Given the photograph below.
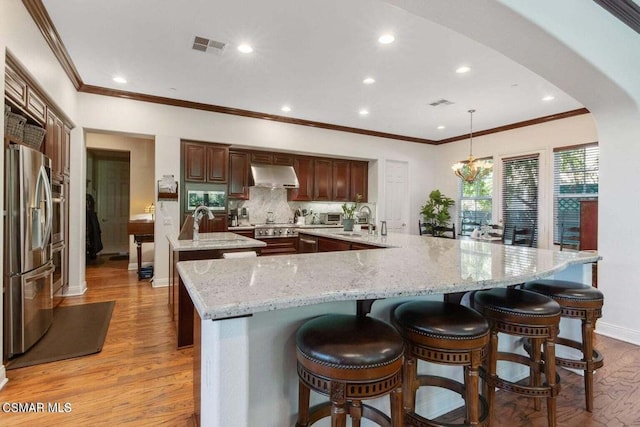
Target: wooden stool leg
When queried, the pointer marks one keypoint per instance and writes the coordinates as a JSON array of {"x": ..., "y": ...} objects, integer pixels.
[
  {"x": 587, "y": 353},
  {"x": 550, "y": 374},
  {"x": 471, "y": 394},
  {"x": 493, "y": 369},
  {"x": 355, "y": 410},
  {"x": 338, "y": 414},
  {"x": 397, "y": 412},
  {"x": 535, "y": 379},
  {"x": 410, "y": 382},
  {"x": 303, "y": 405}
]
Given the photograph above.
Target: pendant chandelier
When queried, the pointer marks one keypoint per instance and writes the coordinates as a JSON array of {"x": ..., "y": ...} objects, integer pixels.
[{"x": 471, "y": 169}]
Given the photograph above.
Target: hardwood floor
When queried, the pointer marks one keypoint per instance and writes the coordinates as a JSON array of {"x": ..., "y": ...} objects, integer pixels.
[{"x": 140, "y": 379}]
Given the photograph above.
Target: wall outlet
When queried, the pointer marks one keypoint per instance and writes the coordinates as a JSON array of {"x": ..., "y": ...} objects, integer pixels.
[{"x": 167, "y": 221}]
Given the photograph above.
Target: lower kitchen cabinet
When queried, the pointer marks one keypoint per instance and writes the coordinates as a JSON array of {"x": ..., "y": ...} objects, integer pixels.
[
  {"x": 332, "y": 245},
  {"x": 280, "y": 246},
  {"x": 310, "y": 244},
  {"x": 180, "y": 304}
]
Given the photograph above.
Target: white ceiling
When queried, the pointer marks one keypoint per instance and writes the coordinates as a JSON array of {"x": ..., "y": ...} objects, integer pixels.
[{"x": 309, "y": 54}]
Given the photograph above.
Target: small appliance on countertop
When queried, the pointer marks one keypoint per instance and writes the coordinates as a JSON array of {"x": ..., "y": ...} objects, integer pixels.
[{"x": 331, "y": 218}]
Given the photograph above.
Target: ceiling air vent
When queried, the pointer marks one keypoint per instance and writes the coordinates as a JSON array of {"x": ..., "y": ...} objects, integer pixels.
[
  {"x": 207, "y": 45},
  {"x": 441, "y": 103}
]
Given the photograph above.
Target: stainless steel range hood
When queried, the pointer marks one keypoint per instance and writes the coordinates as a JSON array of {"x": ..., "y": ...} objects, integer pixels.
[{"x": 274, "y": 176}]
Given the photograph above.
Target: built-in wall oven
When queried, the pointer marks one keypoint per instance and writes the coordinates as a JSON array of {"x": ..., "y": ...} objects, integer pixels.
[{"x": 57, "y": 223}]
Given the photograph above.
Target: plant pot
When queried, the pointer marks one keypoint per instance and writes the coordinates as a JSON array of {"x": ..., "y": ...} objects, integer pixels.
[{"x": 347, "y": 224}]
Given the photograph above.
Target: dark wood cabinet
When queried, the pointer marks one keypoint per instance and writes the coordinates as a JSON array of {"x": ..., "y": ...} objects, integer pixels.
[
  {"x": 54, "y": 145},
  {"x": 280, "y": 246},
  {"x": 205, "y": 162},
  {"x": 245, "y": 233},
  {"x": 307, "y": 244},
  {"x": 36, "y": 106},
  {"x": 15, "y": 88},
  {"x": 282, "y": 159},
  {"x": 323, "y": 180},
  {"x": 359, "y": 180},
  {"x": 341, "y": 180},
  {"x": 66, "y": 151},
  {"x": 332, "y": 245},
  {"x": 588, "y": 225},
  {"x": 206, "y": 225},
  {"x": 262, "y": 157},
  {"x": 304, "y": 170},
  {"x": 238, "y": 175}
]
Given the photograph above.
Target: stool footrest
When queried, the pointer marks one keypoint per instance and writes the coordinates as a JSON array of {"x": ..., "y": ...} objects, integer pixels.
[
  {"x": 414, "y": 420},
  {"x": 580, "y": 365},
  {"x": 323, "y": 410},
  {"x": 436, "y": 381}
]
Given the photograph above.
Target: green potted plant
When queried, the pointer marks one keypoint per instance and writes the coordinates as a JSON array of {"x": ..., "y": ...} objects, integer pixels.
[
  {"x": 435, "y": 212},
  {"x": 349, "y": 213}
]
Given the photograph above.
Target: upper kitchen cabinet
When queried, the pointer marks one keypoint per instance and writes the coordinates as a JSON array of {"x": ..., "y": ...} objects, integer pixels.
[
  {"x": 341, "y": 180},
  {"x": 359, "y": 180},
  {"x": 304, "y": 170},
  {"x": 54, "y": 145},
  {"x": 205, "y": 162},
  {"x": 262, "y": 157},
  {"x": 323, "y": 180},
  {"x": 282, "y": 159},
  {"x": 238, "y": 175}
]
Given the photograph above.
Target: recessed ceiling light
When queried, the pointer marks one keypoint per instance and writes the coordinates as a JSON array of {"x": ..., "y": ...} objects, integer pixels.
[
  {"x": 440, "y": 127},
  {"x": 119, "y": 79},
  {"x": 286, "y": 108},
  {"x": 363, "y": 112},
  {"x": 369, "y": 81},
  {"x": 386, "y": 38},
  {"x": 549, "y": 98},
  {"x": 463, "y": 69},
  {"x": 245, "y": 48}
]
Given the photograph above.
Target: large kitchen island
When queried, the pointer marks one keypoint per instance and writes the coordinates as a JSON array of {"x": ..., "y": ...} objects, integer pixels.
[{"x": 247, "y": 310}]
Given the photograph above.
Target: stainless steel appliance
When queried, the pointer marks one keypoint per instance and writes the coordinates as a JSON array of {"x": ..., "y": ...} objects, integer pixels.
[
  {"x": 332, "y": 218},
  {"x": 28, "y": 268},
  {"x": 57, "y": 213},
  {"x": 275, "y": 230}
]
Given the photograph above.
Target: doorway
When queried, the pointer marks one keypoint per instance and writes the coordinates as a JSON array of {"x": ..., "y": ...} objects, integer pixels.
[
  {"x": 108, "y": 184},
  {"x": 120, "y": 178},
  {"x": 396, "y": 190}
]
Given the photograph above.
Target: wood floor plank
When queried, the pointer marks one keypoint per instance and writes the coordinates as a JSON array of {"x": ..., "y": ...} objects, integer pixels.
[{"x": 141, "y": 379}]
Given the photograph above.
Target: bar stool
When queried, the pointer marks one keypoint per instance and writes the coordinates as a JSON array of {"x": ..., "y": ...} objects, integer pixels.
[
  {"x": 577, "y": 301},
  {"x": 529, "y": 315},
  {"x": 350, "y": 359},
  {"x": 446, "y": 334}
]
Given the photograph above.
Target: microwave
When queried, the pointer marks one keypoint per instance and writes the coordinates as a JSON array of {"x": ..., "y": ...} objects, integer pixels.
[{"x": 332, "y": 218}]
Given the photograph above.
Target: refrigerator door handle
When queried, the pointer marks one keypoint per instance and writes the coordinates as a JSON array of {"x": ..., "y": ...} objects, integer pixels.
[{"x": 49, "y": 205}]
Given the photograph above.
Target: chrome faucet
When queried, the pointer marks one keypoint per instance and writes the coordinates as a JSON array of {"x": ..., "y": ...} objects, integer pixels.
[{"x": 197, "y": 215}]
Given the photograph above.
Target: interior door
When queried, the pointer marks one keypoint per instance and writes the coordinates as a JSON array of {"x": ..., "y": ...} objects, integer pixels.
[
  {"x": 396, "y": 196},
  {"x": 112, "y": 203}
]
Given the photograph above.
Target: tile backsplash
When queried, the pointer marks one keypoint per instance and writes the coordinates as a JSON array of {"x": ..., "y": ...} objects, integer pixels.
[{"x": 263, "y": 200}]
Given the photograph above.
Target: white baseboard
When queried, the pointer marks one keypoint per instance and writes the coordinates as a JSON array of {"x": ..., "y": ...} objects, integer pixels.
[
  {"x": 74, "y": 291},
  {"x": 618, "y": 332},
  {"x": 3, "y": 377},
  {"x": 161, "y": 282}
]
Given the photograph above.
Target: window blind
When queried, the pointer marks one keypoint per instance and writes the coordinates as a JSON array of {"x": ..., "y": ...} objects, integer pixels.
[
  {"x": 575, "y": 178},
  {"x": 520, "y": 177},
  {"x": 475, "y": 202}
]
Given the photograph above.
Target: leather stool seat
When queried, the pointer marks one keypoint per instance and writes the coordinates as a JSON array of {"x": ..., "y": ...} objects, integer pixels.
[
  {"x": 349, "y": 358},
  {"x": 577, "y": 301},
  {"x": 447, "y": 334},
  {"x": 536, "y": 318}
]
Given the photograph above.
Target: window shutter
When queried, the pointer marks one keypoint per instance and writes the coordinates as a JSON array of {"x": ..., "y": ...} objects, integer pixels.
[
  {"x": 575, "y": 178},
  {"x": 520, "y": 194}
]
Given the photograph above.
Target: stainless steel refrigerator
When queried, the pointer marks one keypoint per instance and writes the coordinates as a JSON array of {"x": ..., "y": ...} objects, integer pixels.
[{"x": 28, "y": 268}]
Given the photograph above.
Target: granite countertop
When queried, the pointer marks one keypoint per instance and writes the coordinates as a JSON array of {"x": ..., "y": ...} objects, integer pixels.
[
  {"x": 410, "y": 265},
  {"x": 209, "y": 241},
  {"x": 302, "y": 227}
]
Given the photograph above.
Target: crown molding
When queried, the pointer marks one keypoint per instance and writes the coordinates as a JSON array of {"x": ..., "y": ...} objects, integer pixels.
[
  {"x": 536, "y": 121},
  {"x": 43, "y": 21},
  {"x": 625, "y": 10}
]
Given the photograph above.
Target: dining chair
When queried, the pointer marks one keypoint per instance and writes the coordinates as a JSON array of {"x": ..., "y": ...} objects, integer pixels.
[
  {"x": 423, "y": 228},
  {"x": 467, "y": 227},
  {"x": 522, "y": 236},
  {"x": 569, "y": 238},
  {"x": 446, "y": 232}
]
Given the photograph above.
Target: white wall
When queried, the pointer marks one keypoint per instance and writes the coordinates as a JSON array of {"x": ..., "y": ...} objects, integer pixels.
[{"x": 170, "y": 124}]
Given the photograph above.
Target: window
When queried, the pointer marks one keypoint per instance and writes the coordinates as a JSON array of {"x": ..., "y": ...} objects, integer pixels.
[
  {"x": 575, "y": 178},
  {"x": 520, "y": 194},
  {"x": 475, "y": 202}
]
